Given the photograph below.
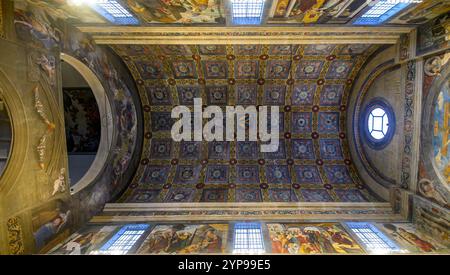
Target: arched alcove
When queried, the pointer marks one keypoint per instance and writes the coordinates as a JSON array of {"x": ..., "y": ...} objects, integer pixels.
[
  {"x": 91, "y": 165},
  {"x": 5, "y": 135}
]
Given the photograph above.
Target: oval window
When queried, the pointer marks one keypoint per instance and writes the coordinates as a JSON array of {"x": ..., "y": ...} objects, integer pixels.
[{"x": 378, "y": 124}]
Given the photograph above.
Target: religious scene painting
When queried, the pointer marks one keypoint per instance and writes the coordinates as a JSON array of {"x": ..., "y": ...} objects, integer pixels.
[
  {"x": 50, "y": 224},
  {"x": 422, "y": 12},
  {"x": 441, "y": 137},
  {"x": 178, "y": 11},
  {"x": 313, "y": 238},
  {"x": 407, "y": 236},
  {"x": 315, "y": 11},
  {"x": 84, "y": 241},
  {"x": 185, "y": 239},
  {"x": 82, "y": 120}
]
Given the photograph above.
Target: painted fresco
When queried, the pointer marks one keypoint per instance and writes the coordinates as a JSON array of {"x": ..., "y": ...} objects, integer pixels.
[
  {"x": 314, "y": 11},
  {"x": 422, "y": 12},
  {"x": 186, "y": 239},
  {"x": 177, "y": 11},
  {"x": 434, "y": 35},
  {"x": 82, "y": 120},
  {"x": 84, "y": 241},
  {"x": 441, "y": 136},
  {"x": 313, "y": 238},
  {"x": 406, "y": 235},
  {"x": 312, "y": 161},
  {"x": 50, "y": 224}
]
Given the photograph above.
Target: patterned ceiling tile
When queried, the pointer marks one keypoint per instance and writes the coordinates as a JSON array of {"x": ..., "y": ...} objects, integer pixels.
[
  {"x": 330, "y": 149},
  {"x": 184, "y": 69},
  {"x": 217, "y": 95},
  {"x": 278, "y": 69},
  {"x": 180, "y": 195},
  {"x": 246, "y": 94},
  {"x": 274, "y": 94},
  {"x": 318, "y": 49},
  {"x": 219, "y": 150},
  {"x": 190, "y": 149},
  {"x": 337, "y": 174},
  {"x": 303, "y": 94},
  {"x": 155, "y": 174},
  {"x": 161, "y": 149},
  {"x": 247, "y": 174},
  {"x": 215, "y": 69},
  {"x": 159, "y": 95},
  {"x": 301, "y": 122},
  {"x": 307, "y": 174},
  {"x": 309, "y": 69},
  {"x": 231, "y": 171},
  {"x": 248, "y": 195},
  {"x": 175, "y": 50},
  {"x": 186, "y": 94},
  {"x": 151, "y": 69},
  {"x": 278, "y": 174},
  {"x": 278, "y": 154},
  {"x": 282, "y": 195},
  {"x": 214, "y": 195},
  {"x": 350, "y": 195},
  {"x": 303, "y": 149},
  {"x": 281, "y": 50},
  {"x": 162, "y": 121},
  {"x": 339, "y": 69},
  {"x": 247, "y": 69},
  {"x": 187, "y": 174},
  {"x": 145, "y": 196},
  {"x": 328, "y": 122},
  {"x": 316, "y": 195},
  {"x": 331, "y": 94},
  {"x": 217, "y": 174},
  {"x": 247, "y": 49},
  {"x": 247, "y": 150},
  {"x": 212, "y": 49}
]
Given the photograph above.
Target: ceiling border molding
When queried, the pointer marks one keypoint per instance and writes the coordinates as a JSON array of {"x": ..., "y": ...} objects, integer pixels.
[
  {"x": 245, "y": 35},
  {"x": 302, "y": 211}
]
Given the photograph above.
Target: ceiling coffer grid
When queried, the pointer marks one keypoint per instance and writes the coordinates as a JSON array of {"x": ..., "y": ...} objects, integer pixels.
[{"x": 310, "y": 84}]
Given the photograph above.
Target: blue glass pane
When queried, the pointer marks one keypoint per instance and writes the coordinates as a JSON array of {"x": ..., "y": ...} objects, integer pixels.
[
  {"x": 248, "y": 238},
  {"x": 124, "y": 239},
  {"x": 247, "y": 12},
  {"x": 380, "y": 12},
  {"x": 373, "y": 239},
  {"x": 114, "y": 12}
]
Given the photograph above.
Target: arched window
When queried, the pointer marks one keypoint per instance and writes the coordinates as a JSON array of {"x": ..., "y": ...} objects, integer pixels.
[
  {"x": 378, "y": 123},
  {"x": 87, "y": 115},
  {"x": 5, "y": 136}
]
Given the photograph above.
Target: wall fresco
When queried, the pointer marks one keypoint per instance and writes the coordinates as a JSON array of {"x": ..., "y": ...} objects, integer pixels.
[
  {"x": 184, "y": 11},
  {"x": 314, "y": 238},
  {"x": 406, "y": 235},
  {"x": 85, "y": 241},
  {"x": 434, "y": 35},
  {"x": 185, "y": 239}
]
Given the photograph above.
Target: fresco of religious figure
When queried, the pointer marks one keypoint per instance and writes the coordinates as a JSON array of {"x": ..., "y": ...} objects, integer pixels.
[
  {"x": 441, "y": 137},
  {"x": 185, "y": 239},
  {"x": 407, "y": 236},
  {"x": 177, "y": 11},
  {"x": 85, "y": 241},
  {"x": 311, "y": 239}
]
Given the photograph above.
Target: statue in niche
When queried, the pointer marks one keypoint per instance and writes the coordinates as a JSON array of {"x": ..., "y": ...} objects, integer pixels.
[{"x": 60, "y": 183}]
